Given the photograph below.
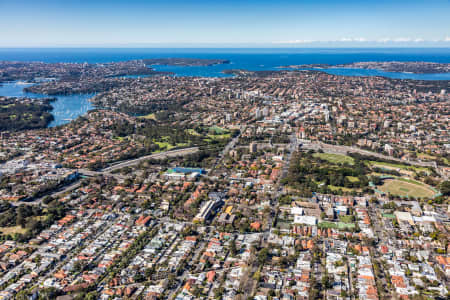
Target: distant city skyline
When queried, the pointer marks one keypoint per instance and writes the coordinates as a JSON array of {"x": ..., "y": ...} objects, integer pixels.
[{"x": 285, "y": 23}]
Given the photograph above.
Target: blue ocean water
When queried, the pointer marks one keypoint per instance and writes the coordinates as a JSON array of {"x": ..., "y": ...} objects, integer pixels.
[
  {"x": 249, "y": 59},
  {"x": 69, "y": 107}
]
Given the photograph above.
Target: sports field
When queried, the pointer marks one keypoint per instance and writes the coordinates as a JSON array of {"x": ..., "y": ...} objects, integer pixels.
[
  {"x": 404, "y": 188},
  {"x": 335, "y": 158}
]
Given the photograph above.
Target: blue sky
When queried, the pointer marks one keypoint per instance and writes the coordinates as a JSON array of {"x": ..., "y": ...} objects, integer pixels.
[{"x": 282, "y": 23}]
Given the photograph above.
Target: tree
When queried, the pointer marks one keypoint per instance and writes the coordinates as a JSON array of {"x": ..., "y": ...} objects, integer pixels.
[
  {"x": 148, "y": 272},
  {"x": 262, "y": 256},
  {"x": 91, "y": 295},
  {"x": 78, "y": 266},
  {"x": 48, "y": 293},
  {"x": 139, "y": 277},
  {"x": 47, "y": 200},
  {"x": 20, "y": 220},
  {"x": 218, "y": 292},
  {"x": 376, "y": 180},
  {"x": 257, "y": 276},
  {"x": 233, "y": 249},
  {"x": 326, "y": 283},
  {"x": 445, "y": 188},
  {"x": 22, "y": 295}
]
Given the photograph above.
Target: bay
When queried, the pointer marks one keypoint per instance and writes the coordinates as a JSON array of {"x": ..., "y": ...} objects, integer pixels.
[
  {"x": 249, "y": 59},
  {"x": 67, "y": 108}
]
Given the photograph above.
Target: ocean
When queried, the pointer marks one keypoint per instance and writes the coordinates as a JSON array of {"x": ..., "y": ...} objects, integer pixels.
[
  {"x": 69, "y": 107},
  {"x": 249, "y": 59}
]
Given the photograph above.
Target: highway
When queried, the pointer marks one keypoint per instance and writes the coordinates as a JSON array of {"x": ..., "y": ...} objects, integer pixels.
[
  {"x": 161, "y": 155},
  {"x": 54, "y": 193},
  {"x": 107, "y": 172}
]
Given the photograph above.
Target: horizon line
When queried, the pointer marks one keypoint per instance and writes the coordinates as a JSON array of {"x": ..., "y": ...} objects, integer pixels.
[{"x": 293, "y": 47}]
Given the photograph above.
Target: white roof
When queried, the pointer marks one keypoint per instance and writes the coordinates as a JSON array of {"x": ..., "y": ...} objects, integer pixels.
[
  {"x": 309, "y": 220},
  {"x": 296, "y": 211}
]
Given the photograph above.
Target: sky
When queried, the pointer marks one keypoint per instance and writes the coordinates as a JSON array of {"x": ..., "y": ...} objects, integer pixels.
[{"x": 224, "y": 23}]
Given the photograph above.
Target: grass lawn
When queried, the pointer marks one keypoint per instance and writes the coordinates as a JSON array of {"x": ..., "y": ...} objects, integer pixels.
[
  {"x": 389, "y": 216},
  {"x": 165, "y": 145},
  {"x": 342, "y": 225},
  {"x": 406, "y": 188},
  {"x": 335, "y": 158},
  {"x": 346, "y": 219},
  {"x": 13, "y": 230},
  {"x": 151, "y": 116},
  {"x": 192, "y": 132},
  {"x": 339, "y": 225},
  {"x": 40, "y": 218},
  {"x": 168, "y": 146},
  {"x": 326, "y": 224},
  {"x": 219, "y": 136},
  {"x": 397, "y": 166},
  {"x": 377, "y": 174},
  {"x": 218, "y": 130},
  {"x": 353, "y": 179},
  {"x": 344, "y": 189}
]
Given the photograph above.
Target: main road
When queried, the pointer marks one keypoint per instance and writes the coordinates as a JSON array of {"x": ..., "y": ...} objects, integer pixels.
[
  {"x": 160, "y": 155},
  {"x": 226, "y": 149},
  {"x": 107, "y": 171}
]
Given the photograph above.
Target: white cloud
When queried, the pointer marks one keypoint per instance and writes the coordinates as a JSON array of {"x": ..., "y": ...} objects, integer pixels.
[
  {"x": 346, "y": 39},
  {"x": 401, "y": 40},
  {"x": 364, "y": 40},
  {"x": 296, "y": 42}
]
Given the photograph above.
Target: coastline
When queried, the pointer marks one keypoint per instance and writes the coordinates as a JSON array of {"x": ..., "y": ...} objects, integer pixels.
[{"x": 71, "y": 104}]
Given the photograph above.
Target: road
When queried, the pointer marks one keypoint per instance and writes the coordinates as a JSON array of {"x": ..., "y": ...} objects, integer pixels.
[
  {"x": 161, "y": 155},
  {"x": 293, "y": 145},
  {"x": 107, "y": 172},
  {"x": 226, "y": 149},
  {"x": 60, "y": 191}
]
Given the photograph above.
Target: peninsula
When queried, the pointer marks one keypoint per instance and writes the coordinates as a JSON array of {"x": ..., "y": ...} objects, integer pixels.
[
  {"x": 24, "y": 113},
  {"x": 185, "y": 62},
  {"x": 388, "y": 66}
]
